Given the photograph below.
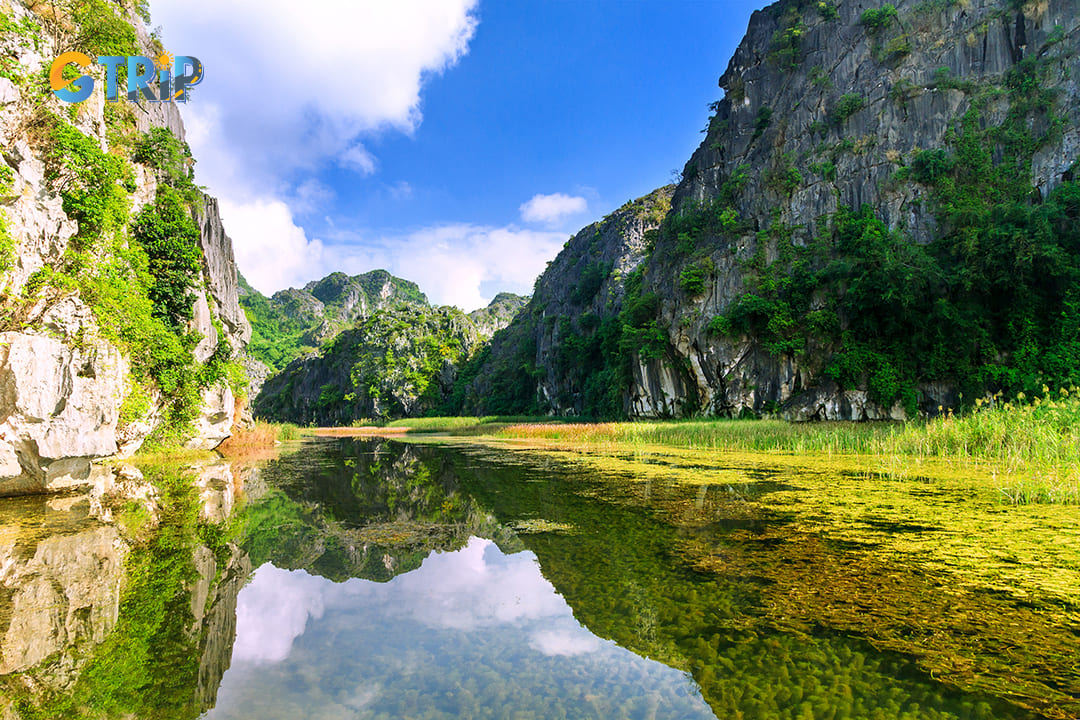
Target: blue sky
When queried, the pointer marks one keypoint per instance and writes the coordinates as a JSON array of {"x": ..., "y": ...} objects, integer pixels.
[{"x": 456, "y": 143}]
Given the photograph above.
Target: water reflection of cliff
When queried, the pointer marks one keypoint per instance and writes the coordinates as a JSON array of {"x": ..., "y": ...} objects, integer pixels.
[
  {"x": 371, "y": 510},
  {"x": 119, "y": 601}
]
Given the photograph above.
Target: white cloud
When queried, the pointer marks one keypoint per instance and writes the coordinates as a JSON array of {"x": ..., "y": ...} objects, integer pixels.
[
  {"x": 289, "y": 85},
  {"x": 293, "y": 88},
  {"x": 551, "y": 209},
  {"x": 357, "y": 158},
  {"x": 272, "y": 611},
  {"x": 454, "y": 264},
  {"x": 451, "y": 263},
  {"x": 401, "y": 190},
  {"x": 272, "y": 252},
  {"x": 310, "y": 196}
]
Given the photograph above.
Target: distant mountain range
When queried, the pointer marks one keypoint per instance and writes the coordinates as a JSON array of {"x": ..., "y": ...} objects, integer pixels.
[{"x": 370, "y": 345}]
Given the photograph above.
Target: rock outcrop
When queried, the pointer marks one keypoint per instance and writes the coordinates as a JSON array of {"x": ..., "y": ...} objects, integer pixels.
[
  {"x": 297, "y": 321},
  {"x": 528, "y": 368},
  {"x": 61, "y": 406},
  {"x": 899, "y": 101},
  {"x": 827, "y": 106},
  {"x": 65, "y": 379},
  {"x": 385, "y": 351},
  {"x": 398, "y": 362}
]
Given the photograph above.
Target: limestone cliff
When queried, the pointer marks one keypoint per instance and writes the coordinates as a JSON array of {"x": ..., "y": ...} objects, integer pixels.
[
  {"x": 878, "y": 220},
  {"x": 100, "y": 348},
  {"x": 385, "y": 352},
  {"x": 296, "y": 321},
  {"x": 397, "y": 362},
  {"x": 547, "y": 359}
]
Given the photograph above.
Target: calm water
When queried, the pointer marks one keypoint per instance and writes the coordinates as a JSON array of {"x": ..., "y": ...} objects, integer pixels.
[{"x": 375, "y": 579}]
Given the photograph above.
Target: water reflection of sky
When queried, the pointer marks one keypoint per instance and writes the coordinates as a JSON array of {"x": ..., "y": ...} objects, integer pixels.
[{"x": 472, "y": 633}]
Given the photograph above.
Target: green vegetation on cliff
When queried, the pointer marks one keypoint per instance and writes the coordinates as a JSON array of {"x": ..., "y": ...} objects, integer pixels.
[
  {"x": 298, "y": 321},
  {"x": 881, "y": 231},
  {"x": 383, "y": 351},
  {"x": 396, "y": 362},
  {"x": 993, "y": 303}
]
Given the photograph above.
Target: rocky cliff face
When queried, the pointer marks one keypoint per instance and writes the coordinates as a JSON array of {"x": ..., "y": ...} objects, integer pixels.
[
  {"x": 769, "y": 290},
  {"x": 398, "y": 362},
  {"x": 498, "y": 314},
  {"x": 76, "y": 363},
  {"x": 299, "y": 320},
  {"x": 385, "y": 351},
  {"x": 547, "y": 359},
  {"x": 832, "y": 129}
]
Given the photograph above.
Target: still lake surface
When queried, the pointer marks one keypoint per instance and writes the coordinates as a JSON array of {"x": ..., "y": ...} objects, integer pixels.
[{"x": 368, "y": 578}]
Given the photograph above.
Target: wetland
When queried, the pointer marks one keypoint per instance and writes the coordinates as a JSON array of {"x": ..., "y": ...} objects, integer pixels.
[{"x": 443, "y": 577}]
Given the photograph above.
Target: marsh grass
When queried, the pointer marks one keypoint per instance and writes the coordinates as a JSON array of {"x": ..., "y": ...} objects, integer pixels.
[
  {"x": 287, "y": 431},
  {"x": 460, "y": 425},
  {"x": 1032, "y": 445}
]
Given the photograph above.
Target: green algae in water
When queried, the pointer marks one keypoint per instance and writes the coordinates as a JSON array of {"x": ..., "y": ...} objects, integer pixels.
[
  {"x": 635, "y": 571},
  {"x": 422, "y": 581}
]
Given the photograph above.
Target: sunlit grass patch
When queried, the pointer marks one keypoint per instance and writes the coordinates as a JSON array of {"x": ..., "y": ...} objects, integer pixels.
[
  {"x": 435, "y": 424},
  {"x": 1033, "y": 445},
  {"x": 720, "y": 434},
  {"x": 462, "y": 425}
]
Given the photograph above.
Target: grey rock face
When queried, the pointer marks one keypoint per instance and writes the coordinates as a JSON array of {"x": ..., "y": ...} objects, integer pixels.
[
  {"x": 908, "y": 102},
  {"x": 63, "y": 385},
  {"x": 219, "y": 269},
  {"x": 498, "y": 314},
  {"x": 61, "y": 406},
  {"x": 587, "y": 277},
  {"x": 812, "y": 131},
  {"x": 214, "y": 423}
]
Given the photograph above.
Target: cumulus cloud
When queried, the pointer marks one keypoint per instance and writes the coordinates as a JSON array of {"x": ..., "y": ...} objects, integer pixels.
[
  {"x": 454, "y": 263},
  {"x": 272, "y": 251},
  {"x": 272, "y": 611},
  {"x": 295, "y": 88},
  {"x": 310, "y": 196},
  {"x": 551, "y": 209},
  {"x": 289, "y": 85}
]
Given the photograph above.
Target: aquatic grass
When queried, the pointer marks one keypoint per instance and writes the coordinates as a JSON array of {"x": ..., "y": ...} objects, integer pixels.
[
  {"x": 434, "y": 424},
  {"x": 258, "y": 435},
  {"x": 288, "y": 431},
  {"x": 459, "y": 424},
  {"x": 720, "y": 434},
  {"x": 1032, "y": 445}
]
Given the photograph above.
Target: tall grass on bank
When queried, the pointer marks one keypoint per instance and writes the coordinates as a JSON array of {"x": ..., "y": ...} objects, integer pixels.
[
  {"x": 722, "y": 434},
  {"x": 461, "y": 424},
  {"x": 1036, "y": 440},
  {"x": 259, "y": 435}
]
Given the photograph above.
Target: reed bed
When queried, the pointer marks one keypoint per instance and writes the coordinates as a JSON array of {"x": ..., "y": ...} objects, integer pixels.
[
  {"x": 461, "y": 425},
  {"x": 1034, "y": 443}
]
